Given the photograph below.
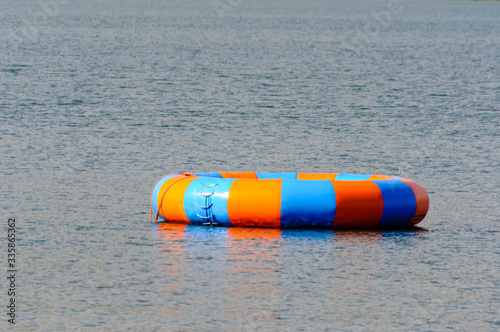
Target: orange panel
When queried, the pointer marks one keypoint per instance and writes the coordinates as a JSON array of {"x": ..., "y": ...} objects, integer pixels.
[
  {"x": 255, "y": 203},
  {"x": 316, "y": 176},
  {"x": 166, "y": 185},
  {"x": 359, "y": 204},
  {"x": 238, "y": 175},
  {"x": 172, "y": 207},
  {"x": 422, "y": 201},
  {"x": 380, "y": 177}
]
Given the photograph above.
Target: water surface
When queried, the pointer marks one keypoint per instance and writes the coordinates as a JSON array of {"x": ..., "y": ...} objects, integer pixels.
[{"x": 99, "y": 100}]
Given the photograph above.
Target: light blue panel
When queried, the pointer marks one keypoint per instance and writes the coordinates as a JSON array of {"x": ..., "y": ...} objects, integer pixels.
[
  {"x": 292, "y": 176},
  {"x": 210, "y": 175},
  {"x": 195, "y": 199},
  {"x": 399, "y": 203},
  {"x": 307, "y": 203},
  {"x": 352, "y": 177},
  {"x": 156, "y": 190}
]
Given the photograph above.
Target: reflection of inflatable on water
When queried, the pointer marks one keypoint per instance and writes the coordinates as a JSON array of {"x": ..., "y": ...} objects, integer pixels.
[
  {"x": 172, "y": 234},
  {"x": 233, "y": 265},
  {"x": 289, "y": 200}
]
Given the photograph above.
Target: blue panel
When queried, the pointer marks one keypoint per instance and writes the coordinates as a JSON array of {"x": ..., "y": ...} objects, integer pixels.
[
  {"x": 352, "y": 177},
  {"x": 292, "y": 176},
  {"x": 307, "y": 203},
  {"x": 199, "y": 194},
  {"x": 156, "y": 190},
  {"x": 210, "y": 175},
  {"x": 399, "y": 203}
]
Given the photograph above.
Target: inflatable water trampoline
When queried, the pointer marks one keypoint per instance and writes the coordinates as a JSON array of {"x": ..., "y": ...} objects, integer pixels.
[{"x": 289, "y": 200}]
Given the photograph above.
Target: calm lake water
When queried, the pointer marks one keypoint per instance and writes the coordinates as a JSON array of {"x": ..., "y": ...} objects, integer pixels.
[{"x": 100, "y": 99}]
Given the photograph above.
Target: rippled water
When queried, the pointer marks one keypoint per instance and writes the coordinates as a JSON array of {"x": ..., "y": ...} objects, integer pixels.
[{"x": 99, "y": 100}]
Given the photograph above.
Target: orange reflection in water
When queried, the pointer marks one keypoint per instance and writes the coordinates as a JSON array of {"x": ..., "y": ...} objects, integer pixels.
[
  {"x": 171, "y": 231},
  {"x": 242, "y": 243},
  {"x": 358, "y": 247},
  {"x": 252, "y": 271},
  {"x": 171, "y": 234},
  {"x": 357, "y": 236},
  {"x": 239, "y": 233},
  {"x": 252, "y": 255}
]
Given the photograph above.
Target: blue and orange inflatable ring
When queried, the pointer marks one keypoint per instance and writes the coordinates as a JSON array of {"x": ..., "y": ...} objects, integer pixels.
[{"x": 289, "y": 200}]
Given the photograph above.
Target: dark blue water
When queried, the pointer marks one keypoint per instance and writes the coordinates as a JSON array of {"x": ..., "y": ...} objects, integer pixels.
[{"x": 99, "y": 100}]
